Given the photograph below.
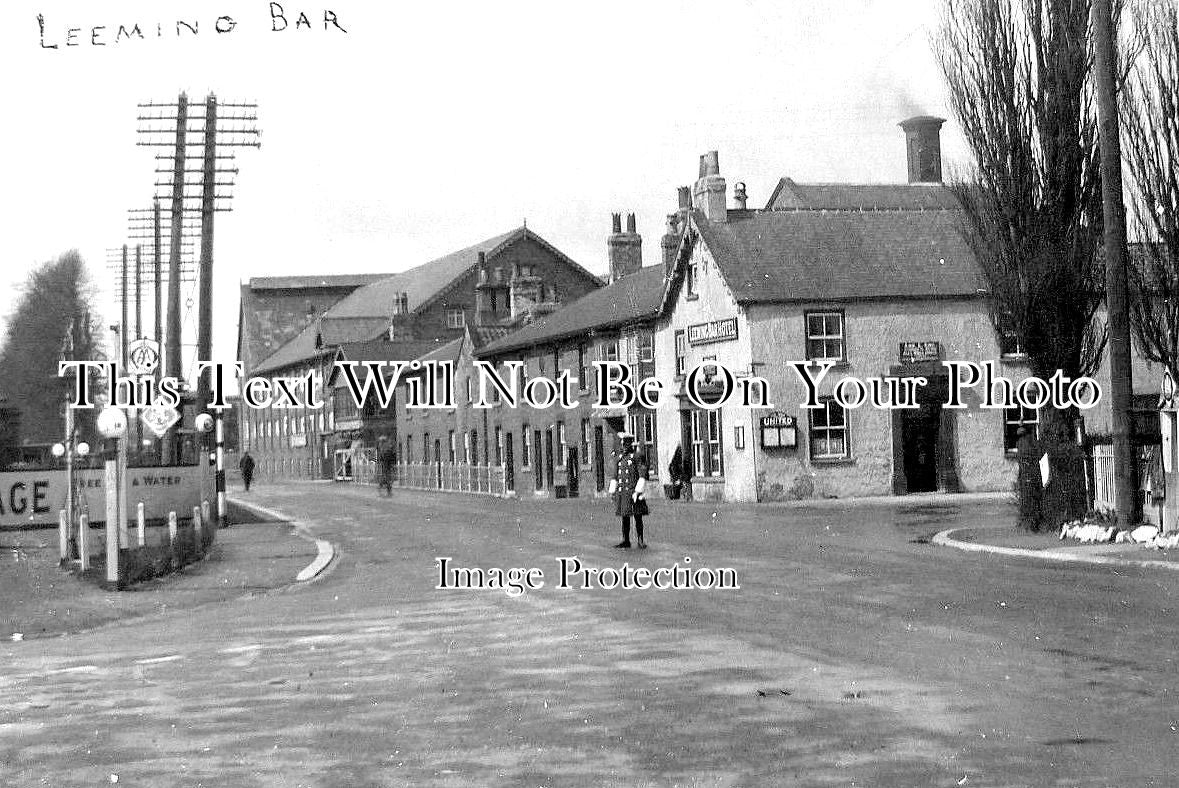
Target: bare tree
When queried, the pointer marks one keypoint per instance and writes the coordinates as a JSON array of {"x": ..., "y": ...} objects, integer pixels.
[
  {"x": 1018, "y": 73},
  {"x": 1151, "y": 110}
]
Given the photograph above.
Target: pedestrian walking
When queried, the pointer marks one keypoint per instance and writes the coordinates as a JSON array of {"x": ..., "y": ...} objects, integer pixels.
[
  {"x": 386, "y": 459},
  {"x": 246, "y": 465},
  {"x": 628, "y": 487}
]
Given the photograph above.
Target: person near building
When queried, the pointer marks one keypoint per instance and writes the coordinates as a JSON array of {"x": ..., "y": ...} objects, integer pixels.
[
  {"x": 386, "y": 459},
  {"x": 246, "y": 465},
  {"x": 628, "y": 487}
]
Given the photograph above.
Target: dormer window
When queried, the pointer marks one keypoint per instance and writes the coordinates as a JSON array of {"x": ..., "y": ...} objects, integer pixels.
[{"x": 455, "y": 318}]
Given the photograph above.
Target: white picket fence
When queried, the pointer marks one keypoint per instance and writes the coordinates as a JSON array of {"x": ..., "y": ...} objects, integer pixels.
[
  {"x": 1103, "y": 477},
  {"x": 446, "y": 477}
]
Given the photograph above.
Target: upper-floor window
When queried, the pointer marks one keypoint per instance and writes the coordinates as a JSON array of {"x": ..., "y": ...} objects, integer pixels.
[
  {"x": 608, "y": 351},
  {"x": 690, "y": 276},
  {"x": 1009, "y": 343},
  {"x": 582, "y": 371},
  {"x": 644, "y": 346},
  {"x": 455, "y": 318},
  {"x": 681, "y": 353},
  {"x": 824, "y": 336}
]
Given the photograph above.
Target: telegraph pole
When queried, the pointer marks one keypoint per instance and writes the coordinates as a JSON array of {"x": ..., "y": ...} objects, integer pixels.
[
  {"x": 123, "y": 325},
  {"x": 205, "y": 275},
  {"x": 172, "y": 354},
  {"x": 1120, "y": 370}
]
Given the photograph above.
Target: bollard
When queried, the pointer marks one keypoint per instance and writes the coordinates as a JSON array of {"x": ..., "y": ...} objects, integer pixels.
[
  {"x": 63, "y": 535},
  {"x": 172, "y": 530},
  {"x": 84, "y": 541},
  {"x": 139, "y": 524},
  {"x": 204, "y": 511}
]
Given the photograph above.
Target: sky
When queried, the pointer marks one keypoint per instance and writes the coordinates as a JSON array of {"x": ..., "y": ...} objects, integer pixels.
[{"x": 427, "y": 127}]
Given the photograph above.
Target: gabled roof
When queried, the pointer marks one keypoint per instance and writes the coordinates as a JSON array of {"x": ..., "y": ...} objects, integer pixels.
[
  {"x": 779, "y": 256},
  {"x": 425, "y": 282},
  {"x": 791, "y": 196},
  {"x": 631, "y": 299}
]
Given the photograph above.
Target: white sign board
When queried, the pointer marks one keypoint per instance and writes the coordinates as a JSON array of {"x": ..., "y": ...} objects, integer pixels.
[
  {"x": 35, "y": 497},
  {"x": 1167, "y": 429}
]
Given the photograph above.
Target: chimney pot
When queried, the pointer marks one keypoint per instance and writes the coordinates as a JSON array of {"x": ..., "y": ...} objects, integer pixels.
[
  {"x": 616, "y": 222},
  {"x": 924, "y": 148},
  {"x": 739, "y": 195},
  {"x": 709, "y": 164},
  {"x": 684, "y": 195},
  {"x": 630, "y": 223}
]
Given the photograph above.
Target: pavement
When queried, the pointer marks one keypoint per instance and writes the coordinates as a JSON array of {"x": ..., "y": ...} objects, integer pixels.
[
  {"x": 1005, "y": 540},
  {"x": 263, "y": 551}
]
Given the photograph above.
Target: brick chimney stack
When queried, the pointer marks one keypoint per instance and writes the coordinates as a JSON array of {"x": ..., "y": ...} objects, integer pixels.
[
  {"x": 484, "y": 308},
  {"x": 708, "y": 193},
  {"x": 624, "y": 249},
  {"x": 924, "y": 147}
]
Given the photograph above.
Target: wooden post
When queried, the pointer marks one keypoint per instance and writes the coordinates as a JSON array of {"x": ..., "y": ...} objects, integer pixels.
[
  {"x": 139, "y": 524},
  {"x": 63, "y": 536},
  {"x": 112, "y": 521},
  {"x": 84, "y": 542},
  {"x": 196, "y": 526},
  {"x": 172, "y": 530}
]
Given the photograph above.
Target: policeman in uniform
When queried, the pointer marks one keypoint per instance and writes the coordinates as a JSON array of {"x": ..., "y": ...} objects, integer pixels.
[{"x": 627, "y": 487}]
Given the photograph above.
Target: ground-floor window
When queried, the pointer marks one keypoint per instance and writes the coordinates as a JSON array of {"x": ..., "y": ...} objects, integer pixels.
[
  {"x": 642, "y": 426},
  {"x": 562, "y": 448},
  {"x": 525, "y": 447},
  {"x": 829, "y": 431},
  {"x": 704, "y": 430},
  {"x": 1013, "y": 419},
  {"x": 499, "y": 446}
]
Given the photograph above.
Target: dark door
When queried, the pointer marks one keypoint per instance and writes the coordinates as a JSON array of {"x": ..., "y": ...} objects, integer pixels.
[
  {"x": 548, "y": 456},
  {"x": 509, "y": 465},
  {"x": 537, "y": 460},
  {"x": 599, "y": 459},
  {"x": 920, "y": 439},
  {"x": 572, "y": 471}
]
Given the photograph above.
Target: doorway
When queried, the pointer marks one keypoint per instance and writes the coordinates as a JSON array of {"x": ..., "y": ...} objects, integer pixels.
[
  {"x": 924, "y": 455},
  {"x": 599, "y": 460},
  {"x": 572, "y": 471}
]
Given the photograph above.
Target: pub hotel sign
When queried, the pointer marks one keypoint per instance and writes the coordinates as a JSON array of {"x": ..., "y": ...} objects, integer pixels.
[
  {"x": 713, "y": 331},
  {"x": 920, "y": 352}
]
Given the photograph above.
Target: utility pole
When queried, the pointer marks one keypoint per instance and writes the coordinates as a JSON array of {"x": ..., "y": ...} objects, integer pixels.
[
  {"x": 1120, "y": 370},
  {"x": 123, "y": 325},
  {"x": 205, "y": 275}
]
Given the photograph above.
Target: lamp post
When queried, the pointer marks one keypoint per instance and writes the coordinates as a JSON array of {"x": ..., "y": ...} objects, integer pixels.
[
  {"x": 216, "y": 458},
  {"x": 112, "y": 424}
]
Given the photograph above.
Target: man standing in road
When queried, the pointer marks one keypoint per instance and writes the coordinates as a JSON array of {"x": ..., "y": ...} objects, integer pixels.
[
  {"x": 246, "y": 464},
  {"x": 386, "y": 459},
  {"x": 627, "y": 487}
]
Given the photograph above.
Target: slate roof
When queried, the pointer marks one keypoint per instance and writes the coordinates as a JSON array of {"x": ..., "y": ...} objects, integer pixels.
[
  {"x": 319, "y": 280},
  {"x": 791, "y": 196},
  {"x": 779, "y": 256},
  {"x": 632, "y": 298},
  {"x": 301, "y": 348}
]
